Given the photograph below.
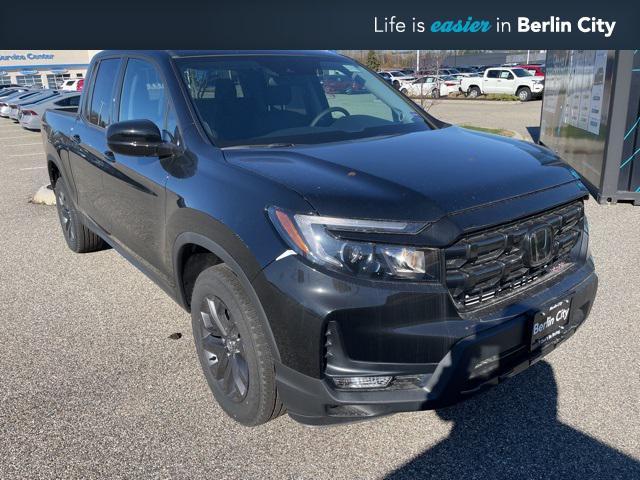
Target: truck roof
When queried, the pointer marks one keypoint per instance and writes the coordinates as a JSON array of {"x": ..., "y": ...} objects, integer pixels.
[{"x": 202, "y": 53}]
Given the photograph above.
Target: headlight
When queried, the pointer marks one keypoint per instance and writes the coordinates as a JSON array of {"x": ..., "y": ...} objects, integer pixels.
[{"x": 316, "y": 238}]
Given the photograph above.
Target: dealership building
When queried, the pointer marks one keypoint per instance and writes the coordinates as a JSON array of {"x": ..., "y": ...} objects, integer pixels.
[{"x": 43, "y": 68}]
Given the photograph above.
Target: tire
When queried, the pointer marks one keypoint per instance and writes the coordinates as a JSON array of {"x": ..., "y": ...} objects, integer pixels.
[
  {"x": 435, "y": 93},
  {"x": 524, "y": 94},
  {"x": 233, "y": 349},
  {"x": 78, "y": 237},
  {"x": 403, "y": 91},
  {"x": 396, "y": 84},
  {"x": 474, "y": 92}
]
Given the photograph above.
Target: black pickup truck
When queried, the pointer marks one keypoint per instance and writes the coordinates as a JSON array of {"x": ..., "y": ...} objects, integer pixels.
[{"x": 344, "y": 255}]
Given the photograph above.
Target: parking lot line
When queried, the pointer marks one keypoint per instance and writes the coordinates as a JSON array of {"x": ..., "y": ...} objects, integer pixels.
[
  {"x": 26, "y": 154},
  {"x": 31, "y": 168},
  {"x": 23, "y": 144},
  {"x": 12, "y": 138}
]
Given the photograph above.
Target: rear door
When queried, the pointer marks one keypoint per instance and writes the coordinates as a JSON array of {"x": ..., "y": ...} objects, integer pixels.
[
  {"x": 87, "y": 144},
  {"x": 134, "y": 187},
  {"x": 491, "y": 81}
]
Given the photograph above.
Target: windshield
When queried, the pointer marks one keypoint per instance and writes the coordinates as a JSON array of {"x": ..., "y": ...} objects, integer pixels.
[
  {"x": 275, "y": 99},
  {"x": 521, "y": 72}
]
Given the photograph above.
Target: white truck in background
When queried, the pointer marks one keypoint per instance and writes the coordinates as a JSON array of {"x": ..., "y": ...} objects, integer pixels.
[{"x": 506, "y": 80}]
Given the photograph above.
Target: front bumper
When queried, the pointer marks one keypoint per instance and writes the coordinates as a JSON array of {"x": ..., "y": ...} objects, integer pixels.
[{"x": 456, "y": 356}]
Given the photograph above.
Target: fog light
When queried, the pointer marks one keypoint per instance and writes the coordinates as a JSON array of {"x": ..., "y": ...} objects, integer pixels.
[{"x": 359, "y": 383}]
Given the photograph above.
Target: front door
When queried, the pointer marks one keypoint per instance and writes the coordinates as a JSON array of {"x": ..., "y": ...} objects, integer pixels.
[
  {"x": 506, "y": 83},
  {"x": 135, "y": 186}
]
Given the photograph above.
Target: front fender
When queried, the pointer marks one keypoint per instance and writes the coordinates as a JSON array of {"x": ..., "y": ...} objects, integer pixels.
[{"x": 240, "y": 261}]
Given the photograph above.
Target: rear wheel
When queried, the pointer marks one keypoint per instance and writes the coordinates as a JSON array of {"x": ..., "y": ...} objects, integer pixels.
[
  {"x": 524, "y": 94},
  {"x": 435, "y": 93},
  {"x": 78, "y": 237},
  {"x": 233, "y": 349},
  {"x": 396, "y": 84},
  {"x": 474, "y": 92}
]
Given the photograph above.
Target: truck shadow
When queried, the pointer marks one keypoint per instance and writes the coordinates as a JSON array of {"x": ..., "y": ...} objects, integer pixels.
[{"x": 512, "y": 432}]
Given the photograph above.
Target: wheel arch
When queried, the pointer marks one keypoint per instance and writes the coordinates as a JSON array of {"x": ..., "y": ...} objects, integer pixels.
[
  {"x": 53, "y": 169},
  {"x": 238, "y": 266}
]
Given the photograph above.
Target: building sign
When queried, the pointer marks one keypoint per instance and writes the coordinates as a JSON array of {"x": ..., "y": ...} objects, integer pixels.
[{"x": 26, "y": 56}]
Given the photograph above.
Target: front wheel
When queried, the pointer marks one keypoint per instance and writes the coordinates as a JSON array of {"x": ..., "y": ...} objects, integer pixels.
[
  {"x": 233, "y": 349},
  {"x": 524, "y": 94}
]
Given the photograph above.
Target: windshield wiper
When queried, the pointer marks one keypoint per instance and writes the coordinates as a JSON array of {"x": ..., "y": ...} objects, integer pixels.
[{"x": 263, "y": 145}]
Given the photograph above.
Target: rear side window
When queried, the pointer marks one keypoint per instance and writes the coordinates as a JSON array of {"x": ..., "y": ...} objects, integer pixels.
[
  {"x": 102, "y": 100},
  {"x": 493, "y": 73},
  {"x": 143, "y": 93},
  {"x": 73, "y": 101}
]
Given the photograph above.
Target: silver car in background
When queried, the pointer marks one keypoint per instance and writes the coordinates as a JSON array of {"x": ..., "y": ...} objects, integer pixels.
[
  {"x": 31, "y": 115},
  {"x": 11, "y": 93},
  {"x": 43, "y": 95},
  {"x": 5, "y": 104}
]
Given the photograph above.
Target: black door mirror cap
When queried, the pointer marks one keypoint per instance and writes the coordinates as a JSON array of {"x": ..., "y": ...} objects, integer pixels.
[{"x": 139, "y": 138}]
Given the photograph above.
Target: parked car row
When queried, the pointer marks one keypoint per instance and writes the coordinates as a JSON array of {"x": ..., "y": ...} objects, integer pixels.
[
  {"x": 434, "y": 86},
  {"x": 396, "y": 77},
  {"x": 524, "y": 81},
  {"x": 27, "y": 105}
]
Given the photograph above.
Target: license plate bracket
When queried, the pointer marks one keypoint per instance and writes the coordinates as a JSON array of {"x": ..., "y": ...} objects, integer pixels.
[{"x": 549, "y": 323}]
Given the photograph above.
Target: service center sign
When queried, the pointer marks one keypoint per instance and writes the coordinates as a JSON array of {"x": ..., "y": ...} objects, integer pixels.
[{"x": 16, "y": 57}]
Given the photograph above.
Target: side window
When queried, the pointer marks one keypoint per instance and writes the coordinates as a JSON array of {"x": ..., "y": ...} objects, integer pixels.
[
  {"x": 143, "y": 94},
  {"x": 102, "y": 101},
  {"x": 493, "y": 73},
  {"x": 71, "y": 101},
  {"x": 506, "y": 75}
]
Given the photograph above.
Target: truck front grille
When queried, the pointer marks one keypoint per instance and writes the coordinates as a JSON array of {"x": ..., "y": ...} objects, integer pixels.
[{"x": 486, "y": 266}]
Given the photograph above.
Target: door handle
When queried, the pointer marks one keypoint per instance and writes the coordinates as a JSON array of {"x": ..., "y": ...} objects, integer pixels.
[
  {"x": 109, "y": 156},
  {"x": 76, "y": 138}
]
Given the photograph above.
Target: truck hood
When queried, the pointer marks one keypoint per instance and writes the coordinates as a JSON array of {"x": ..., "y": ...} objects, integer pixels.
[{"x": 420, "y": 176}]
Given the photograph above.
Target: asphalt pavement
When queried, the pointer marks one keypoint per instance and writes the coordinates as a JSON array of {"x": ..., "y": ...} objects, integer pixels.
[{"x": 92, "y": 385}]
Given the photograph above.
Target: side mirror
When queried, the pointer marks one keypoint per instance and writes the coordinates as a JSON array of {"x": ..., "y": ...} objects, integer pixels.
[{"x": 138, "y": 138}]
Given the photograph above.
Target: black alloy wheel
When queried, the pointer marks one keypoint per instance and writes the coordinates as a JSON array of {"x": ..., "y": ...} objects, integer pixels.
[
  {"x": 233, "y": 347},
  {"x": 67, "y": 219},
  {"x": 223, "y": 349}
]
